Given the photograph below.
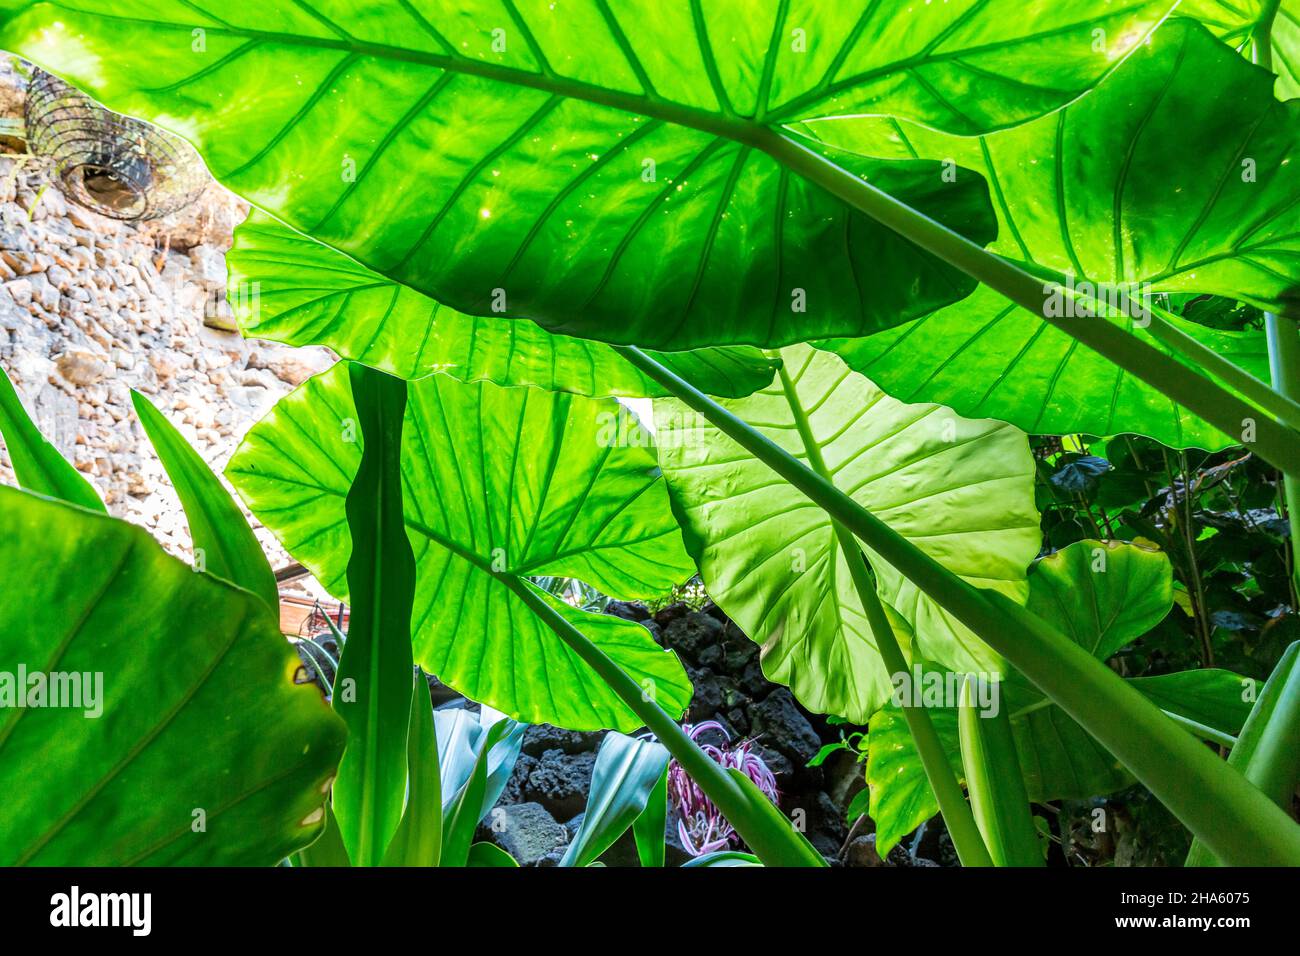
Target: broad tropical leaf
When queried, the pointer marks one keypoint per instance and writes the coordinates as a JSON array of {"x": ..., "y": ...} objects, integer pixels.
[
  {"x": 901, "y": 798},
  {"x": 567, "y": 500},
  {"x": 224, "y": 544},
  {"x": 173, "y": 657},
  {"x": 960, "y": 490},
  {"x": 1148, "y": 185},
  {"x": 589, "y": 155},
  {"x": 292, "y": 289},
  {"x": 37, "y": 464},
  {"x": 1102, "y": 595}
]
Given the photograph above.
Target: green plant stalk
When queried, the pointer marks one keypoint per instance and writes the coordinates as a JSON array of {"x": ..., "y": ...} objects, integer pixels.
[
  {"x": 1281, "y": 334},
  {"x": 1284, "y": 407},
  {"x": 966, "y": 839},
  {"x": 1214, "y": 801},
  {"x": 1266, "y": 751},
  {"x": 1274, "y": 442},
  {"x": 1283, "y": 339},
  {"x": 995, "y": 781},
  {"x": 775, "y": 844}
]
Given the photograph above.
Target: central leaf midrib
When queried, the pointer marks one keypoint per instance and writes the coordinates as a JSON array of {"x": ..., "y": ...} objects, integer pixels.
[{"x": 730, "y": 126}]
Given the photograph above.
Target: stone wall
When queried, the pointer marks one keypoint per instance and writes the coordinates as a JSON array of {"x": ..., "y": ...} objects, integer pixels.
[{"x": 91, "y": 308}]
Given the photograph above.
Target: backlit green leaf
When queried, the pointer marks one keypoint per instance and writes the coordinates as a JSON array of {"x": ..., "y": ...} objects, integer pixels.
[
  {"x": 960, "y": 490},
  {"x": 1150, "y": 184},
  {"x": 569, "y": 499},
  {"x": 595, "y": 166},
  {"x": 288, "y": 288},
  {"x": 37, "y": 464}
]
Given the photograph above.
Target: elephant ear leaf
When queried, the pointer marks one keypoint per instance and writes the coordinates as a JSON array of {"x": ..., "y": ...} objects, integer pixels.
[
  {"x": 37, "y": 464},
  {"x": 1237, "y": 24},
  {"x": 1196, "y": 193},
  {"x": 599, "y": 169},
  {"x": 289, "y": 288},
  {"x": 1105, "y": 595},
  {"x": 570, "y": 499},
  {"x": 150, "y": 657},
  {"x": 960, "y": 490},
  {"x": 1102, "y": 595}
]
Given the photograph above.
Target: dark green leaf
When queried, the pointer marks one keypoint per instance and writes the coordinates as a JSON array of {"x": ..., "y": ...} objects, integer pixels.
[{"x": 197, "y": 748}]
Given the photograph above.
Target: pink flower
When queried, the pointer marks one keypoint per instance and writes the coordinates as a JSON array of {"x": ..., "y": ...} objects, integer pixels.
[{"x": 701, "y": 827}]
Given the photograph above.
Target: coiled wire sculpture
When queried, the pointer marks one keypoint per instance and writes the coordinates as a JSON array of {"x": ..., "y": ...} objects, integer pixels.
[{"x": 112, "y": 164}]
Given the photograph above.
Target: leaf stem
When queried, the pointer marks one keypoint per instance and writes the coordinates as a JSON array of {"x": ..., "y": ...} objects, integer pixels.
[
  {"x": 948, "y": 794},
  {"x": 774, "y": 845},
  {"x": 1231, "y": 414},
  {"x": 1216, "y": 803}
]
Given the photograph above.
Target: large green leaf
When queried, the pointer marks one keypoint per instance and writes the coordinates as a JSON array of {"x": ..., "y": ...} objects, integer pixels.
[
  {"x": 484, "y": 152},
  {"x": 961, "y": 490},
  {"x": 901, "y": 798},
  {"x": 37, "y": 464},
  {"x": 1147, "y": 184},
  {"x": 565, "y": 499},
  {"x": 372, "y": 689},
  {"x": 198, "y": 747},
  {"x": 224, "y": 544},
  {"x": 292, "y": 289}
]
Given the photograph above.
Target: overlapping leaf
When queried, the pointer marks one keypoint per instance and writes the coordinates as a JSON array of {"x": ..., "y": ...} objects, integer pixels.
[
  {"x": 1237, "y": 23},
  {"x": 564, "y": 499},
  {"x": 594, "y": 165},
  {"x": 1103, "y": 595},
  {"x": 960, "y": 490},
  {"x": 291, "y": 289},
  {"x": 1149, "y": 184},
  {"x": 203, "y": 751}
]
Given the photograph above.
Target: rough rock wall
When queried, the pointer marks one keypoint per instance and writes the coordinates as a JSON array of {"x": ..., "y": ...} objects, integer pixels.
[{"x": 91, "y": 308}]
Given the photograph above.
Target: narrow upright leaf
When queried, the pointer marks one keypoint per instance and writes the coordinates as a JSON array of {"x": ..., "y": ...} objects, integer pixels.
[
  {"x": 1267, "y": 751},
  {"x": 418, "y": 841},
  {"x": 997, "y": 789},
  {"x": 372, "y": 690},
  {"x": 625, "y": 777},
  {"x": 36, "y": 463},
  {"x": 649, "y": 827},
  {"x": 466, "y": 807},
  {"x": 224, "y": 544}
]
